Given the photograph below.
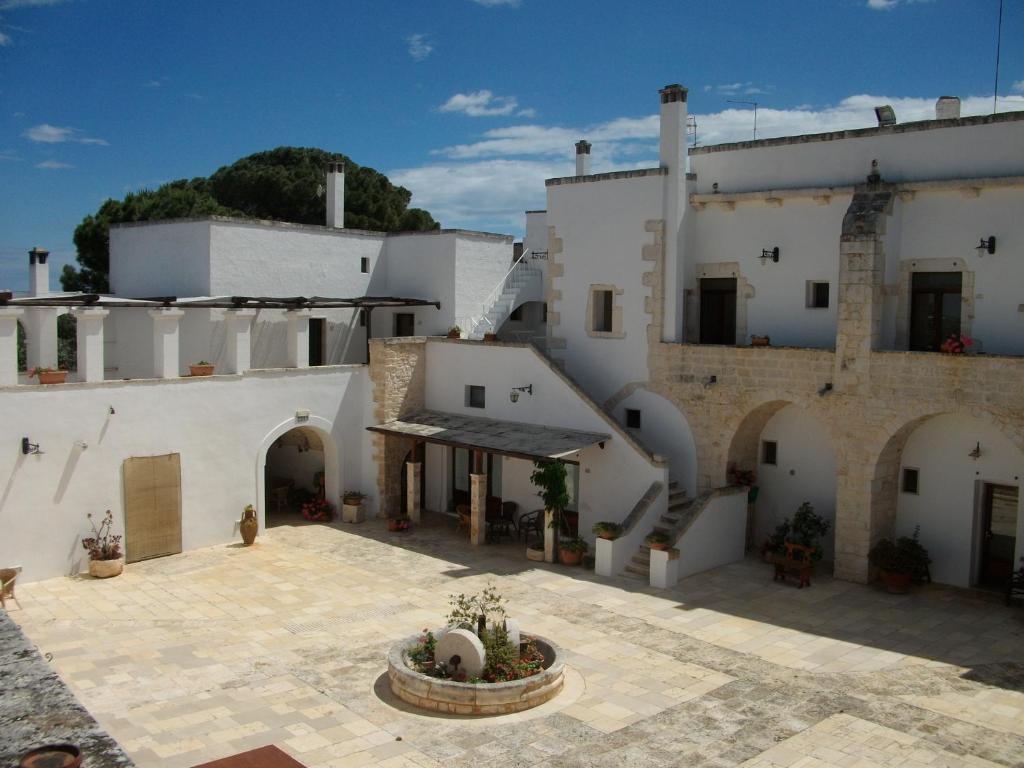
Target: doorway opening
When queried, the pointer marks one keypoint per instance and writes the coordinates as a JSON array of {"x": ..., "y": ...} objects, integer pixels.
[
  {"x": 317, "y": 339},
  {"x": 294, "y": 474},
  {"x": 718, "y": 310},
  {"x": 935, "y": 304},
  {"x": 998, "y": 534}
]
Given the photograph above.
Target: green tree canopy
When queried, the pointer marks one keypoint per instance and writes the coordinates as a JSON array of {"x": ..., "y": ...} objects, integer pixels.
[{"x": 283, "y": 184}]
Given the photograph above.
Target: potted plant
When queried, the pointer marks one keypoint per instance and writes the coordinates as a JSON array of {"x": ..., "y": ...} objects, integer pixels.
[
  {"x": 490, "y": 336},
  {"x": 104, "y": 548},
  {"x": 400, "y": 523},
  {"x": 606, "y": 530},
  {"x": 657, "y": 540},
  {"x": 535, "y": 552},
  {"x": 352, "y": 507},
  {"x": 900, "y": 561},
  {"x": 317, "y": 510},
  {"x": 956, "y": 344},
  {"x": 202, "y": 368},
  {"x": 571, "y": 551},
  {"x": 248, "y": 525},
  {"x": 549, "y": 477},
  {"x": 760, "y": 341},
  {"x": 455, "y": 332},
  {"x": 48, "y": 375},
  {"x": 808, "y": 529},
  {"x": 746, "y": 478}
]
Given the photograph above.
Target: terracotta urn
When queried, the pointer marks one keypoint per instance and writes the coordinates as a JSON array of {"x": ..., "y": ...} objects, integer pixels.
[
  {"x": 659, "y": 545},
  {"x": 249, "y": 526},
  {"x": 104, "y": 569},
  {"x": 570, "y": 556}
]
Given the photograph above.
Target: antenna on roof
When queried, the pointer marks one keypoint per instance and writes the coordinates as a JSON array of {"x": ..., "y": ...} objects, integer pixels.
[
  {"x": 738, "y": 101},
  {"x": 999, "y": 44}
]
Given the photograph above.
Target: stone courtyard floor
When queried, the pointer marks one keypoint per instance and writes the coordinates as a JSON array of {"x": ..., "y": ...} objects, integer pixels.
[{"x": 194, "y": 657}]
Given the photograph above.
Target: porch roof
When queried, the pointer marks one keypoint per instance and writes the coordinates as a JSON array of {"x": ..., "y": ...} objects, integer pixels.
[{"x": 509, "y": 438}]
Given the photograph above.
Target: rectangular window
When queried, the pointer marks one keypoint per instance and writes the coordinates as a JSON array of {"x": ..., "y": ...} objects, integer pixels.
[
  {"x": 362, "y": 318},
  {"x": 633, "y": 418},
  {"x": 935, "y": 304},
  {"x": 317, "y": 339},
  {"x": 769, "y": 452},
  {"x": 817, "y": 295},
  {"x": 474, "y": 396},
  {"x": 364, "y": 264},
  {"x": 405, "y": 324},
  {"x": 603, "y": 302},
  {"x": 910, "y": 480},
  {"x": 517, "y": 314}
]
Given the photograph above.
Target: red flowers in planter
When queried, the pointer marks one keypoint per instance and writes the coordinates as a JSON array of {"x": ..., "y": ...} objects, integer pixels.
[
  {"x": 956, "y": 344},
  {"x": 318, "y": 511}
]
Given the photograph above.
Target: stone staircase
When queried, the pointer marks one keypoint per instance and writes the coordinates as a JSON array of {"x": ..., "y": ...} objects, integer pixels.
[
  {"x": 523, "y": 283},
  {"x": 675, "y": 519}
]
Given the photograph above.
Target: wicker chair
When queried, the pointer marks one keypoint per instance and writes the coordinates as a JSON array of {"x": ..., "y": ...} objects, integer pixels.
[
  {"x": 465, "y": 518},
  {"x": 8, "y": 576}
]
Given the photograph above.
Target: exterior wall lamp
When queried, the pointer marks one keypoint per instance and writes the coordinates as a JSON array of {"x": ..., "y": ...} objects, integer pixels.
[
  {"x": 825, "y": 389},
  {"x": 710, "y": 381},
  {"x": 514, "y": 394},
  {"x": 767, "y": 255},
  {"x": 976, "y": 452},
  {"x": 987, "y": 244},
  {"x": 29, "y": 448}
]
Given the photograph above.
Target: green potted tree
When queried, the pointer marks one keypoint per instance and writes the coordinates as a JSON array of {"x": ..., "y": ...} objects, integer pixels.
[
  {"x": 549, "y": 478},
  {"x": 900, "y": 561}
]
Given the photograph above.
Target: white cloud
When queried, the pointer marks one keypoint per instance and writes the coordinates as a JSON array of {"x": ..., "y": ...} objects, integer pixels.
[
  {"x": 10, "y": 5},
  {"x": 888, "y": 5},
  {"x": 5, "y": 39},
  {"x": 51, "y": 134},
  {"x": 155, "y": 83},
  {"x": 6, "y": 156},
  {"x": 53, "y": 165},
  {"x": 1018, "y": 86},
  {"x": 419, "y": 46},
  {"x": 496, "y": 3},
  {"x": 483, "y": 103}
]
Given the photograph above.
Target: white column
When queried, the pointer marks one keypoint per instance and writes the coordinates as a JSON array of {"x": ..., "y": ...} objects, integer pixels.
[
  {"x": 298, "y": 338},
  {"x": 9, "y": 346},
  {"x": 166, "y": 342},
  {"x": 41, "y": 337},
  {"x": 238, "y": 325},
  {"x": 89, "y": 325},
  {"x": 672, "y": 153},
  {"x": 478, "y": 509}
]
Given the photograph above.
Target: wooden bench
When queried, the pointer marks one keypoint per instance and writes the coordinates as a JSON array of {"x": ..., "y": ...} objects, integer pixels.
[{"x": 796, "y": 562}]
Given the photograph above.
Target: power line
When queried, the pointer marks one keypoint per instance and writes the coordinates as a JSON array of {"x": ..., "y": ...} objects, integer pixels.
[{"x": 999, "y": 44}]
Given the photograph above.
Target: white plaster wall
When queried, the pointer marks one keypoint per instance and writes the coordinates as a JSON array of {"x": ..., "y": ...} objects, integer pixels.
[
  {"x": 420, "y": 266},
  {"x": 939, "y": 153},
  {"x": 536, "y": 240},
  {"x": 664, "y": 430},
  {"x": 160, "y": 259},
  {"x": 612, "y": 479},
  {"x": 218, "y": 425},
  {"x": 717, "y": 537},
  {"x": 516, "y": 485},
  {"x": 947, "y": 225},
  {"x": 480, "y": 264},
  {"x": 807, "y": 235},
  {"x": 806, "y": 471},
  {"x": 602, "y": 227},
  {"x": 945, "y": 507}
]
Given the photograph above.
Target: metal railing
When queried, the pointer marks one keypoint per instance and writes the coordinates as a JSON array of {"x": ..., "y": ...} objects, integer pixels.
[{"x": 475, "y": 322}]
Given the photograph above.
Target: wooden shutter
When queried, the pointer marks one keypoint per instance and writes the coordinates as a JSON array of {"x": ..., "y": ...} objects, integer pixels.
[{"x": 152, "y": 506}]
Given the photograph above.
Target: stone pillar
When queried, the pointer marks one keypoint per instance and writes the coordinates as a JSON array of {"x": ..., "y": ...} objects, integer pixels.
[
  {"x": 413, "y": 501},
  {"x": 550, "y": 536},
  {"x": 166, "y": 342},
  {"x": 664, "y": 568},
  {"x": 238, "y": 325},
  {"x": 298, "y": 338},
  {"x": 41, "y": 337},
  {"x": 9, "y": 345},
  {"x": 89, "y": 329},
  {"x": 478, "y": 509}
]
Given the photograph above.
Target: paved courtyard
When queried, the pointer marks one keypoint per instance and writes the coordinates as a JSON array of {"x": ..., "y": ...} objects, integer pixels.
[{"x": 194, "y": 657}]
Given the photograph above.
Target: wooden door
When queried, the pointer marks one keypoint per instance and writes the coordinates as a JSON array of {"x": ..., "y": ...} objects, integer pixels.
[
  {"x": 718, "y": 310},
  {"x": 152, "y": 506},
  {"x": 999, "y": 532}
]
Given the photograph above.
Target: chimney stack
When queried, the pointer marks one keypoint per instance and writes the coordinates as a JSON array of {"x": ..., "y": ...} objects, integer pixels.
[
  {"x": 336, "y": 195},
  {"x": 582, "y": 158},
  {"x": 947, "y": 108},
  {"x": 38, "y": 272},
  {"x": 673, "y": 128}
]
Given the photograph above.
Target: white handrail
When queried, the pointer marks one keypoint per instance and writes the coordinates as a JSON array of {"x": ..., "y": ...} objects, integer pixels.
[{"x": 495, "y": 293}]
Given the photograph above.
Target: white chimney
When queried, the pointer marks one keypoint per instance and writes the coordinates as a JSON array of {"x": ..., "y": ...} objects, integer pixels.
[
  {"x": 582, "y": 158},
  {"x": 673, "y": 128},
  {"x": 38, "y": 272},
  {"x": 336, "y": 195},
  {"x": 947, "y": 108},
  {"x": 672, "y": 156}
]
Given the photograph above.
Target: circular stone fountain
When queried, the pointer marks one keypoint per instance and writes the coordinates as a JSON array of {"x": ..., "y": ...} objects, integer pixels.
[{"x": 450, "y": 697}]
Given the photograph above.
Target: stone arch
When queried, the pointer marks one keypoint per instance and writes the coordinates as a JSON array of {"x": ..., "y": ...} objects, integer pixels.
[
  {"x": 332, "y": 460},
  {"x": 745, "y": 443}
]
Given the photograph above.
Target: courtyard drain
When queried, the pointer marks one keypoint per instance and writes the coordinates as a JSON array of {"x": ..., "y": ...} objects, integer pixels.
[{"x": 326, "y": 623}]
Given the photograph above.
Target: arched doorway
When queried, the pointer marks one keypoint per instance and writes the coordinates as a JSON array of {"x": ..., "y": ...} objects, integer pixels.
[
  {"x": 297, "y": 462},
  {"x": 661, "y": 427}
]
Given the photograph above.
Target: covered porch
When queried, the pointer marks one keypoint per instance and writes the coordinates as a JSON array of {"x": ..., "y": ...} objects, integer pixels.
[{"x": 478, "y": 468}]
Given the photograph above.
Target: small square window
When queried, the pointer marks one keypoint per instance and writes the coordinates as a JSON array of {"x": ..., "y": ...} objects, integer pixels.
[
  {"x": 405, "y": 324},
  {"x": 364, "y": 264},
  {"x": 603, "y": 302},
  {"x": 769, "y": 452},
  {"x": 910, "y": 480},
  {"x": 474, "y": 396},
  {"x": 633, "y": 418},
  {"x": 817, "y": 294},
  {"x": 517, "y": 314}
]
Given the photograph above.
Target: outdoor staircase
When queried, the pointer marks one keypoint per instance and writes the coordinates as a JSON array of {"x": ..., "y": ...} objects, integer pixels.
[
  {"x": 522, "y": 283},
  {"x": 670, "y": 523}
]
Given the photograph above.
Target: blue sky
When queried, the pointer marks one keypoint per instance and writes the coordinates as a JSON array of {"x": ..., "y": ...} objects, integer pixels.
[{"x": 471, "y": 104}]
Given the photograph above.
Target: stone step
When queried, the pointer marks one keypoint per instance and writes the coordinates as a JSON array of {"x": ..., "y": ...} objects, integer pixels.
[
  {"x": 642, "y": 558},
  {"x": 638, "y": 571}
]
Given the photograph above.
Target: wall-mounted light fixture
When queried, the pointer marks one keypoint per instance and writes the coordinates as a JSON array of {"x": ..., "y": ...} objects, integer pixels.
[
  {"x": 987, "y": 244},
  {"x": 110, "y": 410},
  {"x": 769, "y": 255},
  {"x": 514, "y": 394},
  {"x": 825, "y": 389},
  {"x": 29, "y": 448},
  {"x": 975, "y": 452},
  {"x": 711, "y": 381}
]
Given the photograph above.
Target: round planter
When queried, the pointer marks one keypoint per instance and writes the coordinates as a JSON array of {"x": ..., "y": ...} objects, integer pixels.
[
  {"x": 52, "y": 756},
  {"x": 395, "y": 524},
  {"x": 52, "y": 377},
  {"x": 453, "y": 335},
  {"x": 104, "y": 569},
  {"x": 201, "y": 370},
  {"x": 450, "y": 697},
  {"x": 660, "y": 545},
  {"x": 352, "y": 513},
  {"x": 570, "y": 556},
  {"x": 896, "y": 583},
  {"x": 608, "y": 536},
  {"x": 249, "y": 527},
  {"x": 537, "y": 555}
]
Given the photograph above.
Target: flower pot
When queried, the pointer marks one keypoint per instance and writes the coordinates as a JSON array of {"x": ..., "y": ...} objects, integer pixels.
[
  {"x": 248, "y": 527},
  {"x": 397, "y": 524},
  {"x": 608, "y": 536},
  {"x": 760, "y": 341},
  {"x": 537, "y": 555},
  {"x": 352, "y": 513},
  {"x": 454, "y": 335},
  {"x": 570, "y": 556},
  {"x": 52, "y": 377},
  {"x": 52, "y": 756},
  {"x": 200, "y": 370},
  {"x": 490, "y": 336},
  {"x": 104, "y": 569},
  {"x": 660, "y": 545},
  {"x": 896, "y": 583}
]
